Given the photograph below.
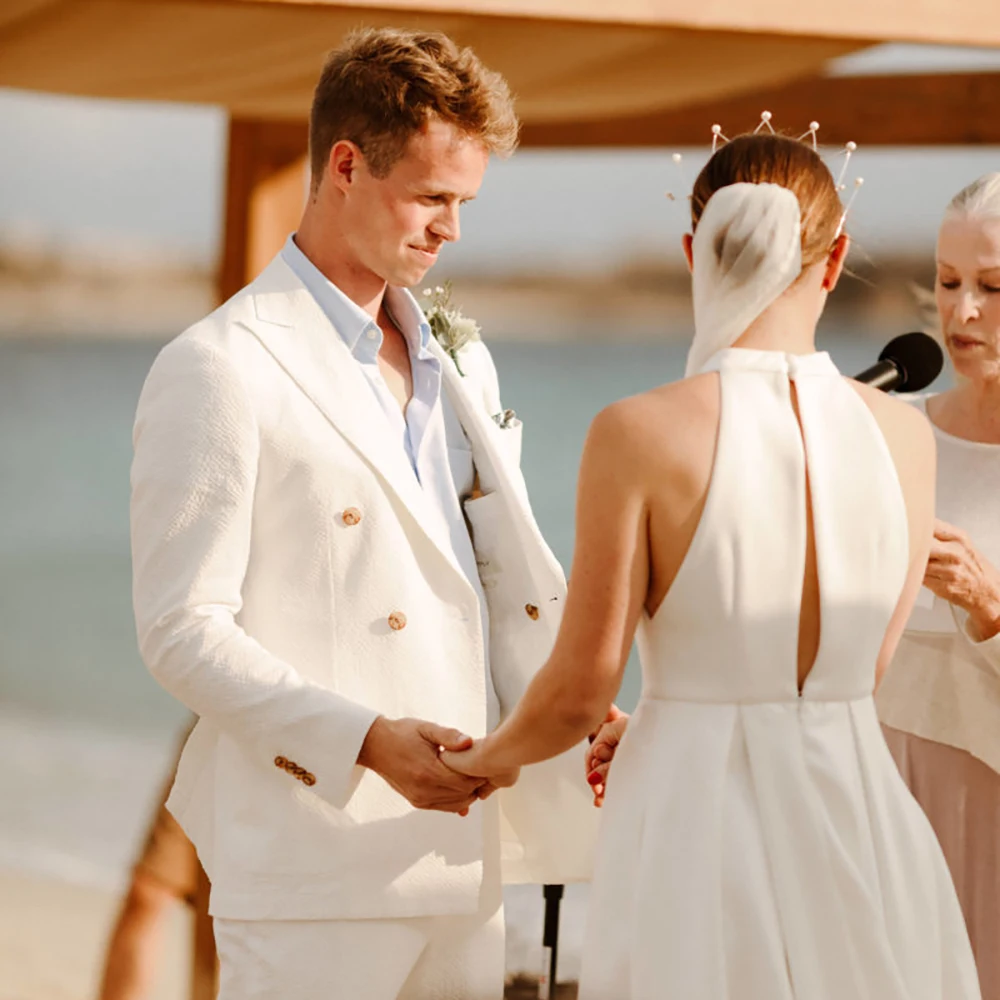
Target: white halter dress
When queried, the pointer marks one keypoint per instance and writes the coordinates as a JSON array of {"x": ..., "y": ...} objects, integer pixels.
[{"x": 758, "y": 842}]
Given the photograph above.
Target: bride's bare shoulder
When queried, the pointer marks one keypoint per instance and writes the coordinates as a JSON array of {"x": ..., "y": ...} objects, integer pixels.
[
  {"x": 905, "y": 426},
  {"x": 666, "y": 422}
]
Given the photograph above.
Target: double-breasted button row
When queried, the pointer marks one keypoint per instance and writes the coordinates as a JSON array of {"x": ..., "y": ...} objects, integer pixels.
[{"x": 297, "y": 772}]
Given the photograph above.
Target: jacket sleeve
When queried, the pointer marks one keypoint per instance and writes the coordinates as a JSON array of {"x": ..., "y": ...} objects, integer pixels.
[{"x": 196, "y": 448}]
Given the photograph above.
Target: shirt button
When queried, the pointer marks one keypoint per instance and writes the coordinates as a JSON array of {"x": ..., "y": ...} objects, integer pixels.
[
  {"x": 532, "y": 612},
  {"x": 372, "y": 334},
  {"x": 397, "y": 621},
  {"x": 351, "y": 516}
]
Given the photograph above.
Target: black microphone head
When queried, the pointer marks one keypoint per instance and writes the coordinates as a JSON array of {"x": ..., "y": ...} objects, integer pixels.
[{"x": 918, "y": 357}]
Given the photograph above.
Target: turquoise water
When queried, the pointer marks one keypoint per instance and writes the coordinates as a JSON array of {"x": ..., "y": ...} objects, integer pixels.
[{"x": 67, "y": 647}]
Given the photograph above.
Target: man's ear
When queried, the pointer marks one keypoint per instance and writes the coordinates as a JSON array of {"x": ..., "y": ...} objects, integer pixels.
[
  {"x": 688, "y": 243},
  {"x": 344, "y": 160},
  {"x": 835, "y": 262}
]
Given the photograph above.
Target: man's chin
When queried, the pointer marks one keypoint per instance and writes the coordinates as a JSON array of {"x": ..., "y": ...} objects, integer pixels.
[{"x": 408, "y": 277}]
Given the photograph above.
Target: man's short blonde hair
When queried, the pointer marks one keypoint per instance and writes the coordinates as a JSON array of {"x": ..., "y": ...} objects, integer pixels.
[{"x": 383, "y": 84}]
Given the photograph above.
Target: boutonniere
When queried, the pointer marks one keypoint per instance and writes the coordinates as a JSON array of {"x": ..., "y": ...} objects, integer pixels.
[{"x": 450, "y": 328}]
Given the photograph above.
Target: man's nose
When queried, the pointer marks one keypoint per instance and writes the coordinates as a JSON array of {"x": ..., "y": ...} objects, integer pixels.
[{"x": 446, "y": 224}]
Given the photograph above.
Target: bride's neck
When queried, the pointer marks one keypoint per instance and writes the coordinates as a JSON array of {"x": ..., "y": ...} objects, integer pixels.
[{"x": 788, "y": 324}]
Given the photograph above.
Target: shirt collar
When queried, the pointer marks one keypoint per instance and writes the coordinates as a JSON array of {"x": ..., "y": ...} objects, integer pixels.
[{"x": 351, "y": 321}]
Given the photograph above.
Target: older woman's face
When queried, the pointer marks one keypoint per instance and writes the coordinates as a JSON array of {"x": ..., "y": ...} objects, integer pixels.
[{"x": 968, "y": 294}]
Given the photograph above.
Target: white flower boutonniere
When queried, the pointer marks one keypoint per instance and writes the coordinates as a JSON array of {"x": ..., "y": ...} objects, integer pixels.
[{"x": 450, "y": 328}]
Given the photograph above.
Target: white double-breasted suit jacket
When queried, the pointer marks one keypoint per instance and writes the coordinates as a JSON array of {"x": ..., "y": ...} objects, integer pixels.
[{"x": 291, "y": 584}]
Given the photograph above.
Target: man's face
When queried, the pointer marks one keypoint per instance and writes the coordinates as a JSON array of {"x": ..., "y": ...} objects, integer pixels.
[{"x": 396, "y": 225}]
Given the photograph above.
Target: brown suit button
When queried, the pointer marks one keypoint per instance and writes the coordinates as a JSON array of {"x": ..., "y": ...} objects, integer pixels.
[
  {"x": 397, "y": 621},
  {"x": 308, "y": 779},
  {"x": 281, "y": 762},
  {"x": 532, "y": 612},
  {"x": 351, "y": 516}
]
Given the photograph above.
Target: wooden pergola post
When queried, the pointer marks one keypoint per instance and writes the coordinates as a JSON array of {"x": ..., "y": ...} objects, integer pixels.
[{"x": 266, "y": 187}]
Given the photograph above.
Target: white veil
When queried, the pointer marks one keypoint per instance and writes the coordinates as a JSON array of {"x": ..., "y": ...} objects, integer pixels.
[{"x": 747, "y": 252}]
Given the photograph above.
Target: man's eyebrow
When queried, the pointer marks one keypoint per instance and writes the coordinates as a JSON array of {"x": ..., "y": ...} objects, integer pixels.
[{"x": 448, "y": 193}]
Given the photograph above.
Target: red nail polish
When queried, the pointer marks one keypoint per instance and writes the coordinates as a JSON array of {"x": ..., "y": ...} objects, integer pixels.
[{"x": 593, "y": 778}]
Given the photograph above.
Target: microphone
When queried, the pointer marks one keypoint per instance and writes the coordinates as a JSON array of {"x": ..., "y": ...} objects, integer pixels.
[{"x": 907, "y": 363}]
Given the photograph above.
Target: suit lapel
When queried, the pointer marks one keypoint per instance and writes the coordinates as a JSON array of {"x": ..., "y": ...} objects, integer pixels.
[
  {"x": 492, "y": 471},
  {"x": 295, "y": 331}
]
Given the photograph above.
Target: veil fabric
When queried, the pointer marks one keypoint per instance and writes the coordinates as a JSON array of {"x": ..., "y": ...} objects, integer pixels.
[{"x": 747, "y": 251}]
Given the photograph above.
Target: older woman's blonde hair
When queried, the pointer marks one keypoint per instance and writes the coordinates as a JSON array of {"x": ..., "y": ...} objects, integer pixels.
[{"x": 980, "y": 199}]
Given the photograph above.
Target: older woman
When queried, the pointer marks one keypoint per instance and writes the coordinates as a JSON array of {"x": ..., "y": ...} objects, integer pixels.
[{"x": 940, "y": 700}]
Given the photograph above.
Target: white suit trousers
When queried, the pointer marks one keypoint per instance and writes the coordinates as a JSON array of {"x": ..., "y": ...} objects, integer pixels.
[{"x": 423, "y": 958}]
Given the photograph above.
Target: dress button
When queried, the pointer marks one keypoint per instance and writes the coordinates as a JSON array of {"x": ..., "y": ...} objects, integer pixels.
[
  {"x": 308, "y": 779},
  {"x": 351, "y": 516},
  {"x": 397, "y": 621},
  {"x": 281, "y": 762},
  {"x": 372, "y": 334},
  {"x": 532, "y": 611}
]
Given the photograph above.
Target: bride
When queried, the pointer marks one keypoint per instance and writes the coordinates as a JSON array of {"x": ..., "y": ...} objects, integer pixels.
[{"x": 763, "y": 525}]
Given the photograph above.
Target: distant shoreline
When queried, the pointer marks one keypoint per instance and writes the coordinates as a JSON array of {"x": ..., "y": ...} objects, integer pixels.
[{"x": 642, "y": 301}]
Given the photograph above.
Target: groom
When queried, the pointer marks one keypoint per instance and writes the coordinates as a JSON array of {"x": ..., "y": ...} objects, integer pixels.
[{"x": 337, "y": 569}]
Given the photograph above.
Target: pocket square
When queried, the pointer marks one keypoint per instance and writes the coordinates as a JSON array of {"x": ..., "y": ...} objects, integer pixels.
[{"x": 507, "y": 419}]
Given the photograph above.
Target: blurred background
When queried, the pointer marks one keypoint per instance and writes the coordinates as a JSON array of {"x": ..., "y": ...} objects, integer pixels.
[{"x": 116, "y": 232}]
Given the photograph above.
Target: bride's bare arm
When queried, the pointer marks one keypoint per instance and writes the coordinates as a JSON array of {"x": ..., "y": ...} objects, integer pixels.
[{"x": 570, "y": 695}]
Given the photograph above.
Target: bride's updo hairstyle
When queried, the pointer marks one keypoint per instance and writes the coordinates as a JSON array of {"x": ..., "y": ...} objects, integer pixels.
[{"x": 764, "y": 158}]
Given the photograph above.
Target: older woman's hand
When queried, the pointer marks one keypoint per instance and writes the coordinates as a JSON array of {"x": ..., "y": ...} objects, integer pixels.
[{"x": 959, "y": 574}]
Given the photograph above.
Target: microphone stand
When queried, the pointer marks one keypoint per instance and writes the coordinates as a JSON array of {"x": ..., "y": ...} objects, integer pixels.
[{"x": 550, "y": 941}]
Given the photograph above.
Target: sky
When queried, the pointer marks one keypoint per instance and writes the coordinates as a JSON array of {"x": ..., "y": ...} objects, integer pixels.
[{"x": 139, "y": 177}]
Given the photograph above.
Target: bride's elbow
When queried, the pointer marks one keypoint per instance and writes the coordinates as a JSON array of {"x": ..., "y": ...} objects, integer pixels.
[{"x": 582, "y": 712}]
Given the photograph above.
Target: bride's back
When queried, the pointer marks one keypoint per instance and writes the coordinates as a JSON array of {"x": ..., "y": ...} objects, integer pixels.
[{"x": 735, "y": 490}]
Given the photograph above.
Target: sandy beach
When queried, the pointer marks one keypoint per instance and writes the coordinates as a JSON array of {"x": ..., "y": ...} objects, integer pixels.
[{"x": 52, "y": 937}]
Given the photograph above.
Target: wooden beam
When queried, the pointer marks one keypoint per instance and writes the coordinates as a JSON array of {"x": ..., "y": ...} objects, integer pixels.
[
  {"x": 265, "y": 191},
  {"x": 925, "y": 110},
  {"x": 933, "y": 22}
]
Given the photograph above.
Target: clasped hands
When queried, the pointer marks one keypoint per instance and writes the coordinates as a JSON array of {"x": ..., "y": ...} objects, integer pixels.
[
  {"x": 408, "y": 754},
  {"x": 435, "y": 767}
]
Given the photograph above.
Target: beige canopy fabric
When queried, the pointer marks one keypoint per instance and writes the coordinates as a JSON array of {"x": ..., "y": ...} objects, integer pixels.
[{"x": 565, "y": 59}]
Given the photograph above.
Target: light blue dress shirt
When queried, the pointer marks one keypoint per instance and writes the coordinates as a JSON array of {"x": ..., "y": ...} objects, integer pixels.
[{"x": 430, "y": 432}]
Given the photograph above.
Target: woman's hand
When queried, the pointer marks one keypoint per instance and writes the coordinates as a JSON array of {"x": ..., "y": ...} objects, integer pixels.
[
  {"x": 476, "y": 762},
  {"x": 602, "y": 752},
  {"x": 959, "y": 574}
]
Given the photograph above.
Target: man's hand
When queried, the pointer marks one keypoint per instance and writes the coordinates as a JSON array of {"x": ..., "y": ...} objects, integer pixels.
[
  {"x": 405, "y": 753},
  {"x": 601, "y": 753}
]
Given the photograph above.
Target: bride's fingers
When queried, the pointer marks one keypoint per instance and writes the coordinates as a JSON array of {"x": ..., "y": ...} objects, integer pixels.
[
  {"x": 599, "y": 775},
  {"x": 457, "y": 761}
]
